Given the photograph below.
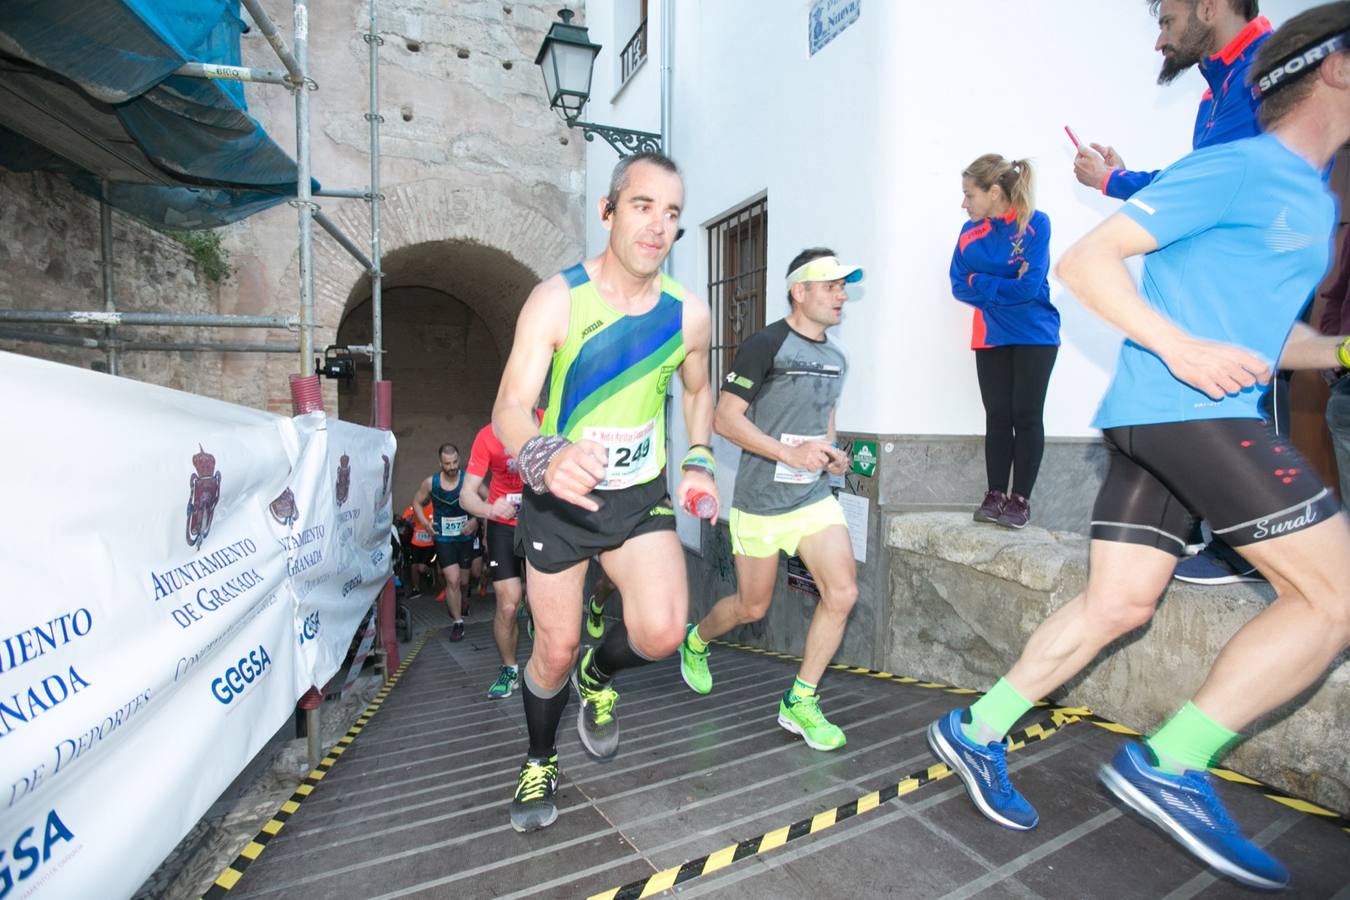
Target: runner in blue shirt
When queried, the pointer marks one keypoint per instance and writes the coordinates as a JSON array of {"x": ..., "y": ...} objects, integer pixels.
[{"x": 1234, "y": 238}]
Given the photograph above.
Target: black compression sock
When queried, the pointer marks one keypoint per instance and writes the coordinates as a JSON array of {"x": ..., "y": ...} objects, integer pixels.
[
  {"x": 543, "y": 712},
  {"x": 613, "y": 654}
]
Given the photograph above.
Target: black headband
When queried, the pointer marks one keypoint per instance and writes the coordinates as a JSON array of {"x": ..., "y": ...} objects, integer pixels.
[{"x": 1300, "y": 63}]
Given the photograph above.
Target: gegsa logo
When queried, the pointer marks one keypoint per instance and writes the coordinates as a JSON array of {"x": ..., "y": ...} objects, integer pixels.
[
  {"x": 309, "y": 629},
  {"x": 28, "y": 857},
  {"x": 240, "y": 675}
]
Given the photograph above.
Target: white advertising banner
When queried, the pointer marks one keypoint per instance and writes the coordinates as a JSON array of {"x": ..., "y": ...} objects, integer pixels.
[{"x": 177, "y": 572}]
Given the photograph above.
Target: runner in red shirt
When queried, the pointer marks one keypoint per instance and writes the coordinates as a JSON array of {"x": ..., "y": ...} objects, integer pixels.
[{"x": 505, "y": 568}]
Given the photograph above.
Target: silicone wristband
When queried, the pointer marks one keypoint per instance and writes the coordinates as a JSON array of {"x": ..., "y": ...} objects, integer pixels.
[
  {"x": 1343, "y": 353},
  {"x": 696, "y": 459}
]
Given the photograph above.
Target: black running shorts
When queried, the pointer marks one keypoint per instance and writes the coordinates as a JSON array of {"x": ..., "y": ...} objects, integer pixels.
[
  {"x": 555, "y": 535},
  {"x": 1237, "y": 474},
  {"x": 454, "y": 553},
  {"x": 423, "y": 556},
  {"x": 503, "y": 561}
]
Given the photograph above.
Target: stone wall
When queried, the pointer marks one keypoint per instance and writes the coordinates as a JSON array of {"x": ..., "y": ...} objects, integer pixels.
[
  {"x": 483, "y": 184},
  {"x": 967, "y": 597},
  {"x": 50, "y": 258}
]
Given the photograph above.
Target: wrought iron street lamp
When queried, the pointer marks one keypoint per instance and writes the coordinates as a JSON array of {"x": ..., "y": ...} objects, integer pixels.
[{"x": 567, "y": 59}]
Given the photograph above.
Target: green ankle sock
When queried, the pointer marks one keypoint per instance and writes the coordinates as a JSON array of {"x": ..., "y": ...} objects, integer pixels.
[
  {"x": 800, "y": 690},
  {"x": 993, "y": 715},
  {"x": 1189, "y": 740},
  {"x": 696, "y": 643}
]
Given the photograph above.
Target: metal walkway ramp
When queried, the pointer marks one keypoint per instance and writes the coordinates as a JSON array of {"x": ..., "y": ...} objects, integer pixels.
[{"x": 709, "y": 797}]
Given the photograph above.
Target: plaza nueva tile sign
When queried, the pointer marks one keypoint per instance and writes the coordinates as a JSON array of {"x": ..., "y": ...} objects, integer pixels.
[{"x": 828, "y": 20}]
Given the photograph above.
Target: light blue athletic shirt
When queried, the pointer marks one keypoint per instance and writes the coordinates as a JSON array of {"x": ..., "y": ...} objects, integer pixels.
[{"x": 1244, "y": 235}]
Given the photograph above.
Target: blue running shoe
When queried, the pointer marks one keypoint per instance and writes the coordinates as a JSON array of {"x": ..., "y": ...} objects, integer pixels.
[
  {"x": 984, "y": 771},
  {"x": 1188, "y": 810}
]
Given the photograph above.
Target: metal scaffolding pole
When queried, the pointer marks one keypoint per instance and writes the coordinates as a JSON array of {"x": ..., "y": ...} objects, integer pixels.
[
  {"x": 109, "y": 302},
  {"x": 269, "y": 30},
  {"x": 233, "y": 73},
  {"x": 97, "y": 318},
  {"x": 347, "y": 243},
  {"x": 347, "y": 193},
  {"x": 377, "y": 275},
  {"x": 373, "y": 40},
  {"x": 43, "y": 337},
  {"x": 303, "y": 201},
  {"x": 123, "y": 346}
]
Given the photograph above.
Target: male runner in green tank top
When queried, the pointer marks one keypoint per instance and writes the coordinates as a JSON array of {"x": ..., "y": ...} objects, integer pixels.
[{"x": 614, "y": 330}]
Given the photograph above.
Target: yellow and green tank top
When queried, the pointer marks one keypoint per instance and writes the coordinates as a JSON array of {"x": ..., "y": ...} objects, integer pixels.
[{"x": 609, "y": 379}]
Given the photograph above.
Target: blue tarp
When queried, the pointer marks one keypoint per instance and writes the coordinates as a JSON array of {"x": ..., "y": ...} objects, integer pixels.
[{"x": 87, "y": 89}]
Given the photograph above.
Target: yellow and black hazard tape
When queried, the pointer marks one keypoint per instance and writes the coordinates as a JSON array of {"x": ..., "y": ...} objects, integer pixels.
[
  {"x": 235, "y": 870},
  {"x": 1083, "y": 714},
  {"x": 705, "y": 865},
  {"x": 1076, "y": 714}
]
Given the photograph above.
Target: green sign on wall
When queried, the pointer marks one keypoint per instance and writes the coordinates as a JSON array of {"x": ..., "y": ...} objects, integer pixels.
[{"x": 865, "y": 458}]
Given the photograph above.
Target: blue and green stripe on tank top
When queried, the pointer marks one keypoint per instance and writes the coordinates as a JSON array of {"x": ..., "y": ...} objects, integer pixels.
[{"x": 626, "y": 351}]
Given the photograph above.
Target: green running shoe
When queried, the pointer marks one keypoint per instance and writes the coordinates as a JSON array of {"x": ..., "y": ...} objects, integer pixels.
[
  {"x": 805, "y": 718},
  {"x": 595, "y": 619},
  {"x": 596, "y": 725},
  {"x": 694, "y": 665},
  {"x": 505, "y": 685},
  {"x": 533, "y": 807}
]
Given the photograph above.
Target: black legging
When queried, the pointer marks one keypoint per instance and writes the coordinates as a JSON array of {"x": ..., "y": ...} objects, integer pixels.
[{"x": 1013, "y": 382}]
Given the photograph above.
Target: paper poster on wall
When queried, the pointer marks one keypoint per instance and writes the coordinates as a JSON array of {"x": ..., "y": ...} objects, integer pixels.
[{"x": 855, "y": 514}]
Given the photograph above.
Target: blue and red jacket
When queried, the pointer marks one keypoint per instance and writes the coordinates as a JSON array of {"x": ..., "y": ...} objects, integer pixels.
[
  {"x": 1227, "y": 111},
  {"x": 1008, "y": 309}
]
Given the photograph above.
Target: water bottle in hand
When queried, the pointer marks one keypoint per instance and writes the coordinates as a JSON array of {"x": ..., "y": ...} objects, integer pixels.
[{"x": 702, "y": 505}]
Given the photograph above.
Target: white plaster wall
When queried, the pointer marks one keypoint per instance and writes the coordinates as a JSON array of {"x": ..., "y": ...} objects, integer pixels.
[{"x": 861, "y": 147}]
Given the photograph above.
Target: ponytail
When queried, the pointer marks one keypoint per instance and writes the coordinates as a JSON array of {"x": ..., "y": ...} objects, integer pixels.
[
  {"x": 1015, "y": 178},
  {"x": 1021, "y": 191}
]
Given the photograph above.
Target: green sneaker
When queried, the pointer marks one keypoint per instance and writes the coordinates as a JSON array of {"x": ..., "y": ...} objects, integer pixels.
[
  {"x": 805, "y": 718},
  {"x": 694, "y": 665},
  {"x": 533, "y": 806},
  {"x": 505, "y": 685},
  {"x": 596, "y": 725},
  {"x": 595, "y": 619}
]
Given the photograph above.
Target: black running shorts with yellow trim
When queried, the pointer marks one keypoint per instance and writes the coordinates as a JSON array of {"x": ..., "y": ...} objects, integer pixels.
[
  {"x": 504, "y": 562},
  {"x": 555, "y": 535},
  {"x": 1247, "y": 482}
]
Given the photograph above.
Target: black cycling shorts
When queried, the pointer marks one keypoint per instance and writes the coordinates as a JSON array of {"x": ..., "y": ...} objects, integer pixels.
[
  {"x": 455, "y": 553},
  {"x": 555, "y": 535},
  {"x": 503, "y": 560},
  {"x": 1237, "y": 474}
]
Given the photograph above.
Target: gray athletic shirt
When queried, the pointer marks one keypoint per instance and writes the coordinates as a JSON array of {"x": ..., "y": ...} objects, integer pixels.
[{"x": 791, "y": 383}]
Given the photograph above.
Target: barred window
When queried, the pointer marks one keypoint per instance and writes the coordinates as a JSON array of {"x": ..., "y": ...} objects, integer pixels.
[{"x": 737, "y": 261}]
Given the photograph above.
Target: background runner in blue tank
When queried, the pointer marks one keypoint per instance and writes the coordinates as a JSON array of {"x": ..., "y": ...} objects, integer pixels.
[
  {"x": 640, "y": 552},
  {"x": 1234, "y": 239},
  {"x": 453, "y": 529},
  {"x": 778, "y": 406}
]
